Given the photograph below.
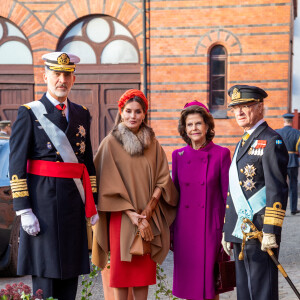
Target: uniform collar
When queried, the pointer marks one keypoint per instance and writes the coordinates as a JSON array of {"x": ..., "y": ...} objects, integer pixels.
[
  {"x": 54, "y": 101},
  {"x": 250, "y": 131}
]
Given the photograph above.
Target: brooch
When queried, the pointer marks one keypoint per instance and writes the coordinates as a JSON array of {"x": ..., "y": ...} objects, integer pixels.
[
  {"x": 181, "y": 153},
  {"x": 81, "y": 131}
]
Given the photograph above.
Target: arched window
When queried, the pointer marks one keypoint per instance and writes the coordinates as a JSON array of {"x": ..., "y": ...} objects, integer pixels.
[
  {"x": 218, "y": 81},
  {"x": 14, "y": 47},
  {"x": 100, "y": 40},
  {"x": 109, "y": 65},
  {"x": 16, "y": 70}
]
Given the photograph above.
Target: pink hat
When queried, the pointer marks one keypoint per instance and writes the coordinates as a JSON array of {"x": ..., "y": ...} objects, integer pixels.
[{"x": 195, "y": 102}]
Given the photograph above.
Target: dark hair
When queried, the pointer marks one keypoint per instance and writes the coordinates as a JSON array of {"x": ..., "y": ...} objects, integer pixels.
[
  {"x": 134, "y": 99},
  {"x": 207, "y": 118}
]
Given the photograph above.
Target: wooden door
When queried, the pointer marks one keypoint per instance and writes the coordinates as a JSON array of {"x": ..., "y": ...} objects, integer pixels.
[
  {"x": 12, "y": 96},
  {"x": 88, "y": 95}
]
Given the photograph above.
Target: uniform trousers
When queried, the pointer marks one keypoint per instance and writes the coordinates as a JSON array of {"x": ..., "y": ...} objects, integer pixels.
[
  {"x": 293, "y": 187},
  {"x": 256, "y": 275},
  {"x": 61, "y": 289}
]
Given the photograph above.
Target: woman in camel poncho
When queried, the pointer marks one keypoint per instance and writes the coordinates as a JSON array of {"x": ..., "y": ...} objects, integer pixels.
[{"x": 134, "y": 186}]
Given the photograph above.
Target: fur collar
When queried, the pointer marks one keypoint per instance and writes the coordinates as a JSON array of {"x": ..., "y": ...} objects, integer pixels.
[{"x": 132, "y": 143}]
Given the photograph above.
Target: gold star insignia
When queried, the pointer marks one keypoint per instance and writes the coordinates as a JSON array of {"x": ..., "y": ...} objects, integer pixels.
[
  {"x": 249, "y": 170},
  {"x": 82, "y": 147},
  {"x": 81, "y": 131},
  {"x": 249, "y": 184}
]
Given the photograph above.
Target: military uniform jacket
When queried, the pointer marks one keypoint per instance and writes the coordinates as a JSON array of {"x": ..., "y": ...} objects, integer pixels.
[
  {"x": 268, "y": 168},
  {"x": 291, "y": 138},
  {"x": 60, "y": 249}
]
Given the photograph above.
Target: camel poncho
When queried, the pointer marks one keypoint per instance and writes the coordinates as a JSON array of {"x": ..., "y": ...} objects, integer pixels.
[{"x": 128, "y": 168}]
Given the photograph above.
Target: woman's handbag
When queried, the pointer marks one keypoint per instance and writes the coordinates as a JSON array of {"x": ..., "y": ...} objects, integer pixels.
[
  {"x": 224, "y": 273},
  {"x": 140, "y": 246}
]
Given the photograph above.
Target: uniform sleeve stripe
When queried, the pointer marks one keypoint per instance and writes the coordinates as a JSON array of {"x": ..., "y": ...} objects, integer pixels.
[{"x": 297, "y": 145}]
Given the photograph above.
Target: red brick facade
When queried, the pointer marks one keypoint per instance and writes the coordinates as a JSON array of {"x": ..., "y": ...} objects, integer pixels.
[{"x": 256, "y": 34}]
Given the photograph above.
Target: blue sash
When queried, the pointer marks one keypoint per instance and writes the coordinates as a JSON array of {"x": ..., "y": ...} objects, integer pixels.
[
  {"x": 58, "y": 139},
  {"x": 243, "y": 207}
]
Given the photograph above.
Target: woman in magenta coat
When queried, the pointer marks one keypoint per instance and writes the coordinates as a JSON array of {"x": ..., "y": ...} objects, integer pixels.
[{"x": 200, "y": 173}]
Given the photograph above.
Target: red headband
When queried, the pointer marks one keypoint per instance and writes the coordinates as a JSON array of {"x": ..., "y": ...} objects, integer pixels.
[
  {"x": 129, "y": 95},
  {"x": 195, "y": 102}
]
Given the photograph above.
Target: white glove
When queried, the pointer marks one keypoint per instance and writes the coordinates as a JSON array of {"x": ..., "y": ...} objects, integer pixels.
[
  {"x": 268, "y": 241},
  {"x": 29, "y": 222},
  {"x": 226, "y": 245},
  {"x": 94, "y": 219}
]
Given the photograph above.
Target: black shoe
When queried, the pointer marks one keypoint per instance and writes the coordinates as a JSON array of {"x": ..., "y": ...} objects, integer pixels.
[{"x": 295, "y": 212}]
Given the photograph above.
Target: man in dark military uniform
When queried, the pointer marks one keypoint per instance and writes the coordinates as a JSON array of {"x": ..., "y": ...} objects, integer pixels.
[
  {"x": 53, "y": 183},
  {"x": 257, "y": 191},
  {"x": 291, "y": 138}
]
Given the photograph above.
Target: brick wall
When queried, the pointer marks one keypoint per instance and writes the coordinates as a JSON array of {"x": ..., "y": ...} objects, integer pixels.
[{"x": 255, "y": 33}]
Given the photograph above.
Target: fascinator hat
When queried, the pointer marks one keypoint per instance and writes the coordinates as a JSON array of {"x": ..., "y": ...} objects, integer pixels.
[{"x": 197, "y": 103}]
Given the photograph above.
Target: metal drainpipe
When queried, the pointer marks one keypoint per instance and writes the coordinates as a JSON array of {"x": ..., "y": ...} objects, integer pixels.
[{"x": 144, "y": 50}]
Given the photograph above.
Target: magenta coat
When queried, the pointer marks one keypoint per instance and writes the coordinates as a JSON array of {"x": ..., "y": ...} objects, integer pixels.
[{"x": 201, "y": 177}]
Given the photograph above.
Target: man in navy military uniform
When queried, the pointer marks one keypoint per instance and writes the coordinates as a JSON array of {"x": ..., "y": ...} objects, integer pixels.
[
  {"x": 291, "y": 138},
  {"x": 53, "y": 183},
  {"x": 257, "y": 191}
]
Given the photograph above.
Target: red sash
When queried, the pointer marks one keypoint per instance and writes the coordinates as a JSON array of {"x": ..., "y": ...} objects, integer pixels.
[{"x": 66, "y": 170}]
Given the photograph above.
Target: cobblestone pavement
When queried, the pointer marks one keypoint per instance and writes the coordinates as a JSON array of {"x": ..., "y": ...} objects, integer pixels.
[{"x": 289, "y": 258}]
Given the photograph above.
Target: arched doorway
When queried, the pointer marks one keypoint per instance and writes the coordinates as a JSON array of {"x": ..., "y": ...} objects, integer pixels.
[
  {"x": 16, "y": 70},
  {"x": 109, "y": 65}
]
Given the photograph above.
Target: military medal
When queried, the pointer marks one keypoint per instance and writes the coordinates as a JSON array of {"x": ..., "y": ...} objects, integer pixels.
[
  {"x": 81, "y": 131},
  {"x": 49, "y": 146},
  {"x": 258, "y": 147},
  {"x": 249, "y": 170},
  {"x": 82, "y": 147},
  {"x": 249, "y": 184}
]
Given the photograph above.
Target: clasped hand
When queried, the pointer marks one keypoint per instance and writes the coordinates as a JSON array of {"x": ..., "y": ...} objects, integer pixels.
[{"x": 142, "y": 224}]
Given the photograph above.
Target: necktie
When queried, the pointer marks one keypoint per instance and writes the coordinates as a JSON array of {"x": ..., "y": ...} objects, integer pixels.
[
  {"x": 245, "y": 138},
  {"x": 61, "y": 107},
  {"x": 63, "y": 123}
]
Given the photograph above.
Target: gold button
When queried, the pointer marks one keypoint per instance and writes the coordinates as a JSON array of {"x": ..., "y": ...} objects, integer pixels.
[
  {"x": 227, "y": 206},
  {"x": 77, "y": 144},
  {"x": 57, "y": 153},
  {"x": 242, "y": 170},
  {"x": 228, "y": 194},
  {"x": 77, "y": 134},
  {"x": 76, "y": 153},
  {"x": 57, "y": 161},
  {"x": 241, "y": 183}
]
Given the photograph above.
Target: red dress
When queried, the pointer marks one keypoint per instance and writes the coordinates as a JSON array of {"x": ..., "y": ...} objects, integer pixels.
[{"x": 141, "y": 271}]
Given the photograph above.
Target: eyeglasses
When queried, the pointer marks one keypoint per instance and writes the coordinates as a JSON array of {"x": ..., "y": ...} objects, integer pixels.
[{"x": 244, "y": 108}]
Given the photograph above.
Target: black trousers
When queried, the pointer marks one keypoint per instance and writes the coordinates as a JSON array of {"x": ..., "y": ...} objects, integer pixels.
[
  {"x": 256, "y": 275},
  {"x": 293, "y": 187},
  {"x": 61, "y": 289}
]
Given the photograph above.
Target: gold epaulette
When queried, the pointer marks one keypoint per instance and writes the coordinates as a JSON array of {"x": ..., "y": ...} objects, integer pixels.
[
  {"x": 84, "y": 107},
  {"x": 28, "y": 107},
  {"x": 93, "y": 184},
  {"x": 274, "y": 215},
  {"x": 19, "y": 187}
]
